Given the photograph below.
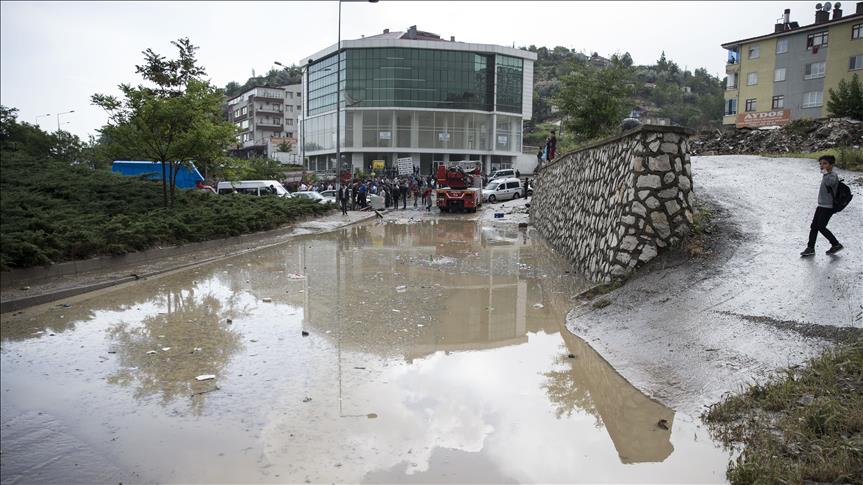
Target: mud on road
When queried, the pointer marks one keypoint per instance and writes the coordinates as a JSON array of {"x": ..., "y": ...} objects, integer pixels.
[{"x": 412, "y": 349}]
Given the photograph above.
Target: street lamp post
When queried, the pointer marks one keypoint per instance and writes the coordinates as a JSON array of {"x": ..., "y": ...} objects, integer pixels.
[
  {"x": 58, "y": 118},
  {"x": 41, "y": 116}
]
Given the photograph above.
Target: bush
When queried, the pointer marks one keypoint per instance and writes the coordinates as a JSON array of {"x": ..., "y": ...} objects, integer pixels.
[{"x": 53, "y": 212}]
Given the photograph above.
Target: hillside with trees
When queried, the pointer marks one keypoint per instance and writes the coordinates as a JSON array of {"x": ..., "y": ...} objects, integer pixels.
[{"x": 567, "y": 80}]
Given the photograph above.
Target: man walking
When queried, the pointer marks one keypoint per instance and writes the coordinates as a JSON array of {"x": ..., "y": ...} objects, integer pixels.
[
  {"x": 343, "y": 199},
  {"x": 552, "y": 146},
  {"x": 826, "y": 193}
]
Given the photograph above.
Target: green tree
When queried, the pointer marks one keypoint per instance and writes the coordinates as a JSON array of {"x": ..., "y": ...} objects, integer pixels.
[
  {"x": 174, "y": 120},
  {"x": 594, "y": 101},
  {"x": 846, "y": 99}
]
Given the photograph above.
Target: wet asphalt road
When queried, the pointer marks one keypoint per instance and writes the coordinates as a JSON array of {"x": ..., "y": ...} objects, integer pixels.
[
  {"x": 688, "y": 334},
  {"x": 436, "y": 352}
]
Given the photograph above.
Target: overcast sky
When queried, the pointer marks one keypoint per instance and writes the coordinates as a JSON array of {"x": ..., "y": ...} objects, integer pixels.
[{"x": 56, "y": 54}]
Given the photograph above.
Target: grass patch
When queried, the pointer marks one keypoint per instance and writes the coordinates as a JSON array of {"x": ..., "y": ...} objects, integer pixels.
[
  {"x": 847, "y": 158},
  {"x": 806, "y": 426},
  {"x": 600, "y": 304},
  {"x": 702, "y": 226},
  {"x": 52, "y": 212}
]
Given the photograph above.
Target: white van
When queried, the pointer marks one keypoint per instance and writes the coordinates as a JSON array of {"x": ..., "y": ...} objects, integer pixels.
[
  {"x": 253, "y": 187},
  {"x": 503, "y": 173},
  {"x": 502, "y": 189}
]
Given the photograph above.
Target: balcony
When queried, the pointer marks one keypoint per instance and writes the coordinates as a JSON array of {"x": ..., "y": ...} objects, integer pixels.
[
  {"x": 268, "y": 93},
  {"x": 268, "y": 110},
  {"x": 268, "y": 124}
]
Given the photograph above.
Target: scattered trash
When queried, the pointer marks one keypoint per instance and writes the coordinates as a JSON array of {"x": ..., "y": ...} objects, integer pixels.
[
  {"x": 307, "y": 399},
  {"x": 165, "y": 349},
  {"x": 401, "y": 289},
  {"x": 571, "y": 356},
  {"x": 25, "y": 288},
  {"x": 205, "y": 377},
  {"x": 229, "y": 321},
  {"x": 296, "y": 276},
  {"x": 112, "y": 351},
  {"x": 371, "y": 415},
  {"x": 663, "y": 424},
  {"x": 397, "y": 311},
  {"x": 305, "y": 334},
  {"x": 216, "y": 388},
  {"x": 151, "y": 352},
  {"x": 420, "y": 325},
  {"x": 267, "y": 300},
  {"x": 360, "y": 368},
  {"x": 498, "y": 215},
  {"x": 538, "y": 305}
]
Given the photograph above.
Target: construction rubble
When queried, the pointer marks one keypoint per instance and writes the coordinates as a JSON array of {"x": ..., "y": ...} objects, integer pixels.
[{"x": 802, "y": 136}]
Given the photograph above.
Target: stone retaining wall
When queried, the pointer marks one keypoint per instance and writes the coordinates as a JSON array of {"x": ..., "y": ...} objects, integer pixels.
[{"x": 612, "y": 206}]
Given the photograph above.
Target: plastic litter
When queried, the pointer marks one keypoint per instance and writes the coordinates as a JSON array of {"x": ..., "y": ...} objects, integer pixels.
[
  {"x": 538, "y": 305},
  {"x": 151, "y": 352},
  {"x": 205, "y": 377},
  {"x": 267, "y": 300}
]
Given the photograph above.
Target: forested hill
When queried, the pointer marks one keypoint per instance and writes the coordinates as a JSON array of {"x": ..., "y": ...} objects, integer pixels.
[{"x": 688, "y": 98}]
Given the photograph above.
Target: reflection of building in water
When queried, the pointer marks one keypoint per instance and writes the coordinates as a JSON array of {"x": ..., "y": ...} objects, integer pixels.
[{"x": 470, "y": 289}]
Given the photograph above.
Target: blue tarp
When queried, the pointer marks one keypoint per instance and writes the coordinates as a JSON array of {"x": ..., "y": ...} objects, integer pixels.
[{"x": 186, "y": 177}]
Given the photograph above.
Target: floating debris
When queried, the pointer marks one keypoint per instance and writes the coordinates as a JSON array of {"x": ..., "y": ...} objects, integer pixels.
[{"x": 205, "y": 377}]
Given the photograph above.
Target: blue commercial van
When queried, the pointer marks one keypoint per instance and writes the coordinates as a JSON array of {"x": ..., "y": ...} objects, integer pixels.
[{"x": 187, "y": 177}]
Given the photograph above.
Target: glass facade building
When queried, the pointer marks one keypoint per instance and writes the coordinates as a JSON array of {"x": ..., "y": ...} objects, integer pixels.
[{"x": 431, "y": 100}]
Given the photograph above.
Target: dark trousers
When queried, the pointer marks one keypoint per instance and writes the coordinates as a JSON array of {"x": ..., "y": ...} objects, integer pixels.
[
  {"x": 819, "y": 224},
  {"x": 344, "y": 206}
]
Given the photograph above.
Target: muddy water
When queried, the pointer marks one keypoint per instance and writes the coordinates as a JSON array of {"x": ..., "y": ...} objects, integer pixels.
[{"x": 434, "y": 354}]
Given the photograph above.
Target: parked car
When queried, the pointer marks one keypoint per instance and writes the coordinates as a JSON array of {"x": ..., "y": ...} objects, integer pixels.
[
  {"x": 253, "y": 187},
  {"x": 316, "y": 196},
  {"x": 331, "y": 195},
  {"x": 503, "y": 173},
  {"x": 502, "y": 189}
]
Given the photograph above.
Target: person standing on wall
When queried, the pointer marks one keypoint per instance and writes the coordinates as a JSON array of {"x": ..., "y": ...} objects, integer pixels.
[
  {"x": 825, "y": 209},
  {"x": 552, "y": 146}
]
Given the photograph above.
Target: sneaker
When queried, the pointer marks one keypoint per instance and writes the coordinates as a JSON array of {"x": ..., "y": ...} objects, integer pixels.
[
  {"x": 835, "y": 249},
  {"x": 808, "y": 252}
]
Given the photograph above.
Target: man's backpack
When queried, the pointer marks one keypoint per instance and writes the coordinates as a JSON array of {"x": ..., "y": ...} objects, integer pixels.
[{"x": 842, "y": 196}]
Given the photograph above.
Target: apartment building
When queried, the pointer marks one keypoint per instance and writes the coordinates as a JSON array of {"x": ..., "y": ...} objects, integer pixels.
[
  {"x": 787, "y": 74},
  {"x": 267, "y": 118}
]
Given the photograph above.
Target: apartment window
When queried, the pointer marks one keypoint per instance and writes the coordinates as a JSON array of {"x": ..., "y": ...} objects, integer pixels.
[
  {"x": 779, "y": 75},
  {"x": 731, "y": 82},
  {"x": 730, "y": 107},
  {"x": 299, "y": 107},
  {"x": 813, "y": 99},
  {"x": 290, "y": 134},
  {"x": 244, "y": 110},
  {"x": 752, "y": 79},
  {"x": 289, "y": 94},
  {"x": 855, "y": 62},
  {"x": 814, "y": 70},
  {"x": 855, "y": 31},
  {"x": 817, "y": 39},
  {"x": 782, "y": 46},
  {"x": 299, "y": 93},
  {"x": 754, "y": 51},
  {"x": 778, "y": 102},
  {"x": 751, "y": 105},
  {"x": 289, "y": 122}
]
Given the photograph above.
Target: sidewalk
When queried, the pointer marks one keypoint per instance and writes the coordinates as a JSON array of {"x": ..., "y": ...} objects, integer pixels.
[{"x": 110, "y": 271}]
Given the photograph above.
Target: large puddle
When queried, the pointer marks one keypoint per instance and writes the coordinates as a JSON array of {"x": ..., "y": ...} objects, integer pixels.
[{"x": 436, "y": 352}]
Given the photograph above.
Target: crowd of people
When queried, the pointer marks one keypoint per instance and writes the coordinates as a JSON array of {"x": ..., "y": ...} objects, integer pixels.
[{"x": 413, "y": 189}]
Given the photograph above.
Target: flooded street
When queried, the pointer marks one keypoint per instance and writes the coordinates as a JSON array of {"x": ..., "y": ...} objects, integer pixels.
[{"x": 435, "y": 352}]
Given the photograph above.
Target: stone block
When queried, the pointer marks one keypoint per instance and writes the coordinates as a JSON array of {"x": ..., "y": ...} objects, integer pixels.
[
  {"x": 630, "y": 220},
  {"x": 684, "y": 183},
  {"x": 638, "y": 208},
  {"x": 654, "y": 145},
  {"x": 659, "y": 163},
  {"x": 668, "y": 193},
  {"x": 660, "y": 223},
  {"x": 672, "y": 207},
  {"x": 638, "y": 164},
  {"x": 668, "y": 147},
  {"x": 671, "y": 137},
  {"x": 668, "y": 178},
  {"x": 629, "y": 243},
  {"x": 652, "y": 203},
  {"x": 642, "y": 194},
  {"x": 651, "y": 181},
  {"x": 649, "y": 252}
]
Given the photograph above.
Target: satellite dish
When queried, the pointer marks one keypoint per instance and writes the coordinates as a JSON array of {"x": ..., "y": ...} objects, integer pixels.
[
  {"x": 827, "y": 6},
  {"x": 818, "y": 6}
]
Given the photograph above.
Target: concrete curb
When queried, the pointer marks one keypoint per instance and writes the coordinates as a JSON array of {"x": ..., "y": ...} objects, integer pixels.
[{"x": 26, "y": 302}]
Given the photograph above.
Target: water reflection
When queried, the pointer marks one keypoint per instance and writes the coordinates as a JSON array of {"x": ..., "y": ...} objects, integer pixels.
[
  {"x": 435, "y": 348},
  {"x": 164, "y": 353}
]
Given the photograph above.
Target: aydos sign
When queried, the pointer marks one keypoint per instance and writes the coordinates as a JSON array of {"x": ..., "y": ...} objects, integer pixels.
[{"x": 758, "y": 119}]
